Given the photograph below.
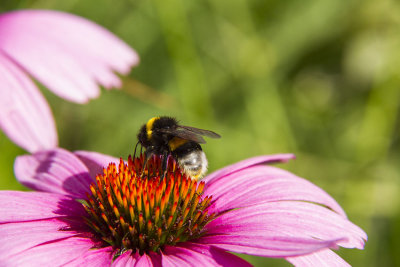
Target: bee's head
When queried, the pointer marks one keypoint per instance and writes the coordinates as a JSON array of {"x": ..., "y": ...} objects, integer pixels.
[{"x": 143, "y": 137}]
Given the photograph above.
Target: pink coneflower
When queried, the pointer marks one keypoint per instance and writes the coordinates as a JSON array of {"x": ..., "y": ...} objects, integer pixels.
[
  {"x": 70, "y": 55},
  {"x": 123, "y": 218}
]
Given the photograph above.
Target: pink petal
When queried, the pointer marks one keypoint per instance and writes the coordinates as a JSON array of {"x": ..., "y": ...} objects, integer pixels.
[
  {"x": 324, "y": 257},
  {"x": 126, "y": 259},
  {"x": 264, "y": 226},
  {"x": 18, "y": 237},
  {"x": 258, "y": 184},
  {"x": 144, "y": 261},
  {"x": 188, "y": 254},
  {"x": 268, "y": 159},
  {"x": 28, "y": 206},
  {"x": 66, "y": 53},
  {"x": 94, "y": 257},
  {"x": 129, "y": 259},
  {"x": 25, "y": 116},
  {"x": 56, "y": 171},
  {"x": 95, "y": 162},
  {"x": 55, "y": 253},
  {"x": 267, "y": 247}
]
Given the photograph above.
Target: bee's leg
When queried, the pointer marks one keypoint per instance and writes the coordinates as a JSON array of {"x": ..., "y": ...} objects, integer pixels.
[
  {"x": 148, "y": 153},
  {"x": 164, "y": 164}
]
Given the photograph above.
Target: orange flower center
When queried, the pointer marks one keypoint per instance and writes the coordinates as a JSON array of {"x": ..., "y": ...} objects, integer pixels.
[{"x": 131, "y": 207}]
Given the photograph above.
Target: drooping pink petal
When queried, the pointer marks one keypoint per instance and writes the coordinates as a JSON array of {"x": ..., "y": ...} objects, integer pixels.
[
  {"x": 20, "y": 236},
  {"x": 94, "y": 257},
  {"x": 57, "y": 171},
  {"x": 28, "y": 206},
  {"x": 25, "y": 116},
  {"x": 95, "y": 161},
  {"x": 267, "y": 159},
  {"x": 129, "y": 259},
  {"x": 321, "y": 258},
  {"x": 188, "y": 253},
  {"x": 252, "y": 229},
  {"x": 257, "y": 184},
  {"x": 66, "y": 53},
  {"x": 55, "y": 253}
]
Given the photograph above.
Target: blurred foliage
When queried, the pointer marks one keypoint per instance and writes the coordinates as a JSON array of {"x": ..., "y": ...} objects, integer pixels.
[{"x": 316, "y": 78}]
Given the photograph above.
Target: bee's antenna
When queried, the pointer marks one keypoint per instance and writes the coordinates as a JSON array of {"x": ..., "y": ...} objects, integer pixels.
[{"x": 134, "y": 153}]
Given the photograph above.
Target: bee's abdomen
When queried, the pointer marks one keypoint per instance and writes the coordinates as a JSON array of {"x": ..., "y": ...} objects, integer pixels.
[
  {"x": 194, "y": 164},
  {"x": 191, "y": 159}
]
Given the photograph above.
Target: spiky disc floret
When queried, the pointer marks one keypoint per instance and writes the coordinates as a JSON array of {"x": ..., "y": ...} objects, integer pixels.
[{"x": 132, "y": 208}]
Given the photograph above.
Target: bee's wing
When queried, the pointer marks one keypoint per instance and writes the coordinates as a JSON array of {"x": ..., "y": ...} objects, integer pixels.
[
  {"x": 200, "y": 131},
  {"x": 184, "y": 134}
]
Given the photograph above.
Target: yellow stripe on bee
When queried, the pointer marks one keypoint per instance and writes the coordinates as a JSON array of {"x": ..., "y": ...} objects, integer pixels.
[
  {"x": 176, "y": 142},
  {"x": 149, "y": 126}
]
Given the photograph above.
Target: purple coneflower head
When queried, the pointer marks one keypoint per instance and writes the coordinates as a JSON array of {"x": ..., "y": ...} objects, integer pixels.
[
  {"x": 69, "y": 55},
  {"x": 128, "y": 216}
]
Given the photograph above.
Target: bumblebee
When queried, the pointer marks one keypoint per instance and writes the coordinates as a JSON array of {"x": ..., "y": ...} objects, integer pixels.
[{"x": 164, "y": 136}]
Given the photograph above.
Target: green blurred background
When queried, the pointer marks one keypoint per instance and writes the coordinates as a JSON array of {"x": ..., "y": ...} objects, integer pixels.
[{"x": 316, "y": 78}]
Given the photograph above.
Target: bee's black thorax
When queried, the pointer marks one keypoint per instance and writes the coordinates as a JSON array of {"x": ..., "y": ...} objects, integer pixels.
[
  {"x": 164, "y": 123},
  {"x": 151, "y": 138}
]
